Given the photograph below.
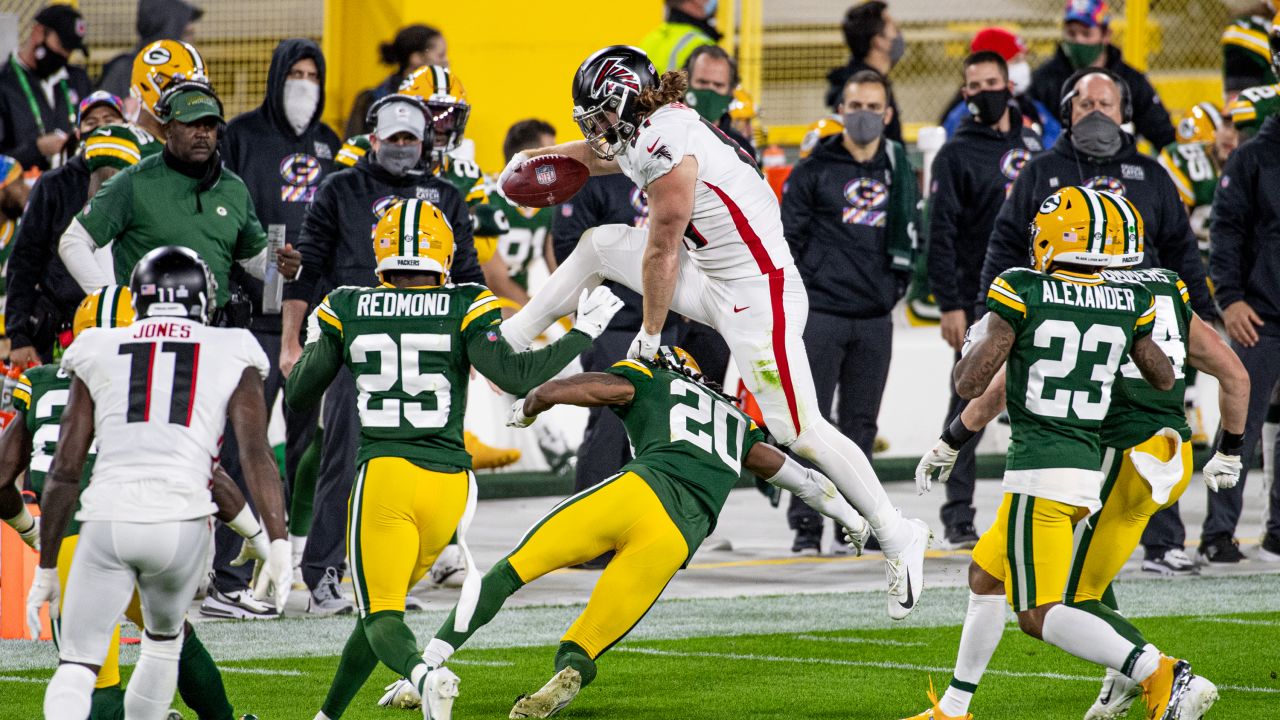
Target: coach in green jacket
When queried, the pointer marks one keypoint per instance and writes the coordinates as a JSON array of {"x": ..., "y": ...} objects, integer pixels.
[{"x": 182, "y": 196}]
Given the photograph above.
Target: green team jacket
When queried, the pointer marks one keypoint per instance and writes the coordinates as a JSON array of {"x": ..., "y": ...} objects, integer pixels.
[{"x": 411, "y": 352}]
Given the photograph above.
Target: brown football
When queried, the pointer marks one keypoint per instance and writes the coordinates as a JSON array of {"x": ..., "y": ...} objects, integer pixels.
[{"x": 545, "y": 181}]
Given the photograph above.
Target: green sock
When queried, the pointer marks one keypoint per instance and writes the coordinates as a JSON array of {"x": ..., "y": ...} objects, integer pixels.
[
  {"x": 1109, "y": 598},
  {"x": 108, "y": 704},
  {"x": 1114, "y": 619},
  {"x": 499, "y": 584},
  {"x": 392, "y": 641},
  {"x": 304, "y": 487},
  {"x": 199, "y": 682},
  {"x": 354, "y": 667},
  {"x": 572, "y": 655}
]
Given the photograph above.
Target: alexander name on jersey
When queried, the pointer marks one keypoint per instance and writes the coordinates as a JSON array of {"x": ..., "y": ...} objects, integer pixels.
[{"x": 1103, "y": 297}]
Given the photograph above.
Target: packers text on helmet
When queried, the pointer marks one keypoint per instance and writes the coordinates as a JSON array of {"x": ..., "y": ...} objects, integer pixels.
[{"x": 413, "y": 236}]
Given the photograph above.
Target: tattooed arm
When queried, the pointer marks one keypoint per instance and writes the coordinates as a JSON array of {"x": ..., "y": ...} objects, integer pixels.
[
  {"x": 976, "y": 368},
  {"x": 1152, "y": 363}
]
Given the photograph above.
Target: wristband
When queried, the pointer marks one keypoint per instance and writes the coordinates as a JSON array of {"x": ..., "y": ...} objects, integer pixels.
[
  {"x": 245, "y": 524},
  {"x": 1230, "y": 443},
  {"x": 956, "y": 434},
  {"x": 23, "y": 522}
]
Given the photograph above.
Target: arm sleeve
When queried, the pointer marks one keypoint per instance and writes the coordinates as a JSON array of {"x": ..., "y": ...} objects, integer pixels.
[
  {"x": 514, "y": 372},
  {"x": 76, "y": 248},
  {"x": 320, "y": 361},
  {"x": 315, "y": 243},
  {"x": 944, "y": 221},
  {"x": 1004, "y": 300},
  {"x": 1177, "y": 249},
  {"x": 1151, "y": 119},
  {"x": 797, "y": 208},
  {"x": 1009, "y": 245},
  {"x": 1232, "y": 220},
  {"x": 33, "y": 250},
  {"x": 109, "y": 212},
  {"x": 1146, "y": 322},
  {"x": 22, "y": 394},
  {"x": 466, "y": 264}
]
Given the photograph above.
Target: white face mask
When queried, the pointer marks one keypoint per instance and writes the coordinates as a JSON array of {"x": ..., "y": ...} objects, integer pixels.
[
  {"x": 1020, "y": 76},
  {"x": 300, "y": 100}
]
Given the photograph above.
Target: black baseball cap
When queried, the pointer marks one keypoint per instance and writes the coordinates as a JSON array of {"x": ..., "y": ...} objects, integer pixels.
[{"x": 67, "y": 22}]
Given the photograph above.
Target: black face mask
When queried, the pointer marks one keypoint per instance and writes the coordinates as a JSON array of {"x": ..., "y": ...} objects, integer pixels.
[
  {"x": 988, "y": 106},
  {"x": 11, "y": 208},
  {"x": 48, "y": 62}
]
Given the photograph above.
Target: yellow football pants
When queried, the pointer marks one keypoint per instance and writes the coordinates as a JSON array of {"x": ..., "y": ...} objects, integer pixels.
[
  {"x": 1106, "y": 540},
  {"x": 400, "y": 516},
  {"x": 109, "y": 673},
  {"x": 621, "y": 514},
  {"x": 1029, "y": 549}
]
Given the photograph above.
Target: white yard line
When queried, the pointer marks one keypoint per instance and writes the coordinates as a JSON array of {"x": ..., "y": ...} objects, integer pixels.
[{"x": 861, "y": 641}]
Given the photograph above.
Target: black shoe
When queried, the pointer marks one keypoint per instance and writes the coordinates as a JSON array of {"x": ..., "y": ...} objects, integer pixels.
[
  {"x": 961, "y": 536},
  {"x": 1270, "y": 550},
  {"x": 1221, "y": 550},
  {"x": 808, "y": 540}
]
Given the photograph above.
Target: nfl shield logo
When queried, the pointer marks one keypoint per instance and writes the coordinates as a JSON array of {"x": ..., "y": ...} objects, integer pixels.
[{"x": 546, "y": 175}]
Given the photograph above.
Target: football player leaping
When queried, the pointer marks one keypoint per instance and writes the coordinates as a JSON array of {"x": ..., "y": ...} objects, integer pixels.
[
  {"x": 714, "y": 252},
  {"x": 411, "y": 343},
  {"x": 157, "y": 396},
  {"x": 1146, "y": 461}
]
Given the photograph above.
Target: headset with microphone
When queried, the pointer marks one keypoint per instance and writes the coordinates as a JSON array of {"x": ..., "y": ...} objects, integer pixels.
[{"x": 1069, "y": 93}]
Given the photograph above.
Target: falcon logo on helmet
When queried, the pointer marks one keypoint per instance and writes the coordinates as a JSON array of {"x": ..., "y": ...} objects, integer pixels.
[{"x": 611, "y": 75}]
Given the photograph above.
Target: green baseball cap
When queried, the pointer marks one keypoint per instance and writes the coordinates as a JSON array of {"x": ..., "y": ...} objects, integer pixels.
[{"x": 191, "y": 105}]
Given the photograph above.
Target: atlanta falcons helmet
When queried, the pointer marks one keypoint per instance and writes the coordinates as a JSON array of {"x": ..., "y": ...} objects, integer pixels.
[{"x": 605, "y": 89}]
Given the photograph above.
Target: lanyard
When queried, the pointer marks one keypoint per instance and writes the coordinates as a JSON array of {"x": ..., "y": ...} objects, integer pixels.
[{"x": 31, "y": 97}]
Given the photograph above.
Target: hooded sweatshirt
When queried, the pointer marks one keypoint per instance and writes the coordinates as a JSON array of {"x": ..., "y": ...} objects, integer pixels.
[
  {"x": 1170, "y": 243},
  {"x": 281, "y": 167},
  {"x": 157, "y": 20}
]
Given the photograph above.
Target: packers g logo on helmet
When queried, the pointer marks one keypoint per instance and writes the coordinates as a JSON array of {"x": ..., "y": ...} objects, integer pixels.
[
  {"x": 158, "y": 65},
  {"x": 413, "y": 236},
  {"x": 107, "y": 307},
  {"x": 1200, "y": 124},
  {"x": 1075, "y": 225},
  {"x": 444, "y": 95}
]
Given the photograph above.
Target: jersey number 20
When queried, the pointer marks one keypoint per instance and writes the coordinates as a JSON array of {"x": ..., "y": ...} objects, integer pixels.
[{"x": 691, "y": 423}]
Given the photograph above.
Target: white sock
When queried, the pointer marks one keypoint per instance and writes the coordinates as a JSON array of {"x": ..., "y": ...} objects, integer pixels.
[
  {"x": 154, "y": 680},
  {"x": 70, "y": 692},
  {"x": 1088, "y": 637},
  {"x": 297, "y": 544},
  {"x": 817, "y": 491},
  {"x": 557, "y": 297},
  {"x": 983, "y": 626},
  {"x": 1146, "y": 663},
  {"x": 321, "y": 716},
  {"x": 844, "y": 462},
  {"x": 1268, "y": 438},
  {"x": 437, "y": 653},
  {"x": 418, "y": 676}
]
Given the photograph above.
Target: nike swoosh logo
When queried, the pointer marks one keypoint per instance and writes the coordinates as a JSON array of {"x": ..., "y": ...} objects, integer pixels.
[
  {"x": 654, "y": 145},
  {"x": 1105, "y": 698},
  {"x": 740, "y": 309},
  {"x": 911, "y": 600}
]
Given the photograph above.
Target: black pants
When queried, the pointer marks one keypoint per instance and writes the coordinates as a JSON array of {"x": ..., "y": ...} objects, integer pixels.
[
  {"x": 958, "y": 509},
  {"x": 850, "y": 356},
  {"x": 1164, "y": 532},
  {"x": 1263, "y": 363},
  {"x": 604, "y": 446},
  {"x": 300, "y": 428},
  {"x": 326, "y": 545}
]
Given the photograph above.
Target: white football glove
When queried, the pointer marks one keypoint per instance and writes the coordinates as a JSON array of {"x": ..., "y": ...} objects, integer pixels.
[
  {"x": 274, "y": 576},
  {"x": 595, "y": 309},
  {"x": 1222, "y": 471},
  {"x": 645, "y": 346},
  {"x": 938, "y": 463},
  {"x": 513, "y": 164},
  {"x": 516, "y": 418},
  {"x": 401, "y": 694},
  {"x": 44, "y": 589},
  {"x": 254, "y": 548}
]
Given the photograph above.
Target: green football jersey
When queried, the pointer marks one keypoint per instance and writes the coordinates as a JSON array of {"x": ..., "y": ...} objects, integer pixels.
[
  {"x": 41, "y": 395},
  {"x": 1195, "y": 174},
  {"x": 1071, "y": 334},
  {"x": 689, "y": 444},
  {"x": 525, "y": 238},
  {"x": 1249, "y": 37},
  {"x": 407, "y": 349},
  {"x": 1138, "y": 410},
  {"x": 1252, "y": 106}
]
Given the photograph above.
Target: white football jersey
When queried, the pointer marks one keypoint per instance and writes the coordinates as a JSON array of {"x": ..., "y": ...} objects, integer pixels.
[
  {"x": 160, "y": 390},
  {"x": 736, "y": 227}
]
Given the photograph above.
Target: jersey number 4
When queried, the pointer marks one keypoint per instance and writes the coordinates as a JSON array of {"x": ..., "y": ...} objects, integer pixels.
[{"x": 142, "y": 361}]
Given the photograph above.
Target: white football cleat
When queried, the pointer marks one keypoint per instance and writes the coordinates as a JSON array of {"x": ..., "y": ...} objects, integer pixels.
[
  {"x": 559, "y": 691},
  {"x": 441, "y": 687},
  {"x": 1117, "y": 694},
  {"x": 905, "y": 572},
  {"x": 449, "y": 569},
  {"x": 401, "y": 694},
  {"x": 1197, "y": 698}
]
